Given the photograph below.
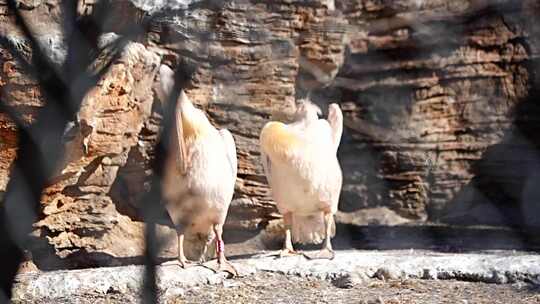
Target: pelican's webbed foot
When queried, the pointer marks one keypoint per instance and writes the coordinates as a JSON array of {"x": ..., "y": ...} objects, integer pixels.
[
  {"x": 324, "y": 253},
  {"x": 223, "y": 266},
  {"x": 184, "y": 263}
]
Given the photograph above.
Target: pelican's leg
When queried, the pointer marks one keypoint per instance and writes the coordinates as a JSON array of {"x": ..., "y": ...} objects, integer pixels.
[
  {"x": 288, "y": 248},
  {"x": 203, "y": 254},
  {"x": 326, "y": 252},
  {"x": 182, "y": 260},
  {"x": 184, "y": 263},
  {"x": 327, "y": 247},
  {"x": 221, "y": 263}
]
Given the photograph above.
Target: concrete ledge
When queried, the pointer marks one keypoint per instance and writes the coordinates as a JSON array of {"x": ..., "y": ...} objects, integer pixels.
[{"x": 492, "y": 267}]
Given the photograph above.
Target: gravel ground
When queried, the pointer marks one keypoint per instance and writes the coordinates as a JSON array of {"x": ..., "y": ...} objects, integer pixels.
[{"x": 276, "y": 288}]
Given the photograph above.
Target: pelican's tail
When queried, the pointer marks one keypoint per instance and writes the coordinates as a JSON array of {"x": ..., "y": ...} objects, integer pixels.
[{"x": 310, "y": 229}]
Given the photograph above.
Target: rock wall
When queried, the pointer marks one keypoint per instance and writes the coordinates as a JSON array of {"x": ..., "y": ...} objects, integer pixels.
[
  {"x": 427, "y": 87},
  {"x": 427, "y": 91}
]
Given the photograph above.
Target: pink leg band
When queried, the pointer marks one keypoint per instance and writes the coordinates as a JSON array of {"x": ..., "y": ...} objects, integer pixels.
[{"x": 220, "y": 246}]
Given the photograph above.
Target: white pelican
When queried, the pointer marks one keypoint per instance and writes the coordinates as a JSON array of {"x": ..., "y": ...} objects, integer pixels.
[
  {"x": 304, "y": 174},
  {"x": 199, "y": 179}
]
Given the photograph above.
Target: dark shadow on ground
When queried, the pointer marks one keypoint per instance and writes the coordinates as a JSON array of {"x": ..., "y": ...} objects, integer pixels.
[
  {"x": 245, "y": 244},
  {"x": 441, "y": 238},
  {"x": 82, "y": 259},
  {"x": 434, "y": 237}
]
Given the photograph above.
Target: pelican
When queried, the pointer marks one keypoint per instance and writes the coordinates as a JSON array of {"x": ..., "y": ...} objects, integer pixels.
[
  {"x": 302, "y": 169},
  {"x": 198, "y": 181}
]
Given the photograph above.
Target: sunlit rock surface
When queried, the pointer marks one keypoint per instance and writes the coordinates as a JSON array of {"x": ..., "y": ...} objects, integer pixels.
[{"x": 438, "y": 122}]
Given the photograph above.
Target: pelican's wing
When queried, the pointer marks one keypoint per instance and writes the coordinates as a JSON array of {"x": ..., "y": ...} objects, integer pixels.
[
  {"x": 334, "y": 184},
  {"x": 230, "y": 147},
  {"x": 335, "y": 119},
  {"x": 179, "y": 144}
]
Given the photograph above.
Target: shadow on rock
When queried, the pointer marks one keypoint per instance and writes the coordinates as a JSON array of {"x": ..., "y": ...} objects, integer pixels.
[{"x": 504, "y": 189}]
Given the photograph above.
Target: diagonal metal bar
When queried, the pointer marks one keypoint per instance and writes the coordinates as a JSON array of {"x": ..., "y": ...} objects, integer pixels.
[{"x": 183, "y": 75}]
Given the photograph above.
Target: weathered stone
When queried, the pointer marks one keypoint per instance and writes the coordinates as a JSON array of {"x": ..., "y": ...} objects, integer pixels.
[
  {"x": 79, "y": 218},
  {"x": 434, "y": 95},
  {"x": 348, "y": 268},
  {"x": 370, "y": 216},
  {"x": 386, "y": 273},
  {"x": 349, "y": 280}
]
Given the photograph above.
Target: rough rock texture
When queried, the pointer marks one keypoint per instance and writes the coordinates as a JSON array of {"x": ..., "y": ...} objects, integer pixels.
[
  {"x": 434, "y": 95},
  {"x": 356, "y": 267},
  {"x": 78, "y": 212},
  {"x": 426, "y": 92},
  {"x": 16, "y": 87}
]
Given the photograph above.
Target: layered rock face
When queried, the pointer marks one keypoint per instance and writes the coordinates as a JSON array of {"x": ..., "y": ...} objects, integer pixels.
[
  {"x": 427, "y": 87},
  {"x": 426, "y": 92}
]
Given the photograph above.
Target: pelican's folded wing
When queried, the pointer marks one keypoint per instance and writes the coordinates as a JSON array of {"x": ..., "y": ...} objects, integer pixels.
[
  {"x": 280, "y": 142},
  {"x": 230, "y": 147},
  {"x": 335, "y": 119}
]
